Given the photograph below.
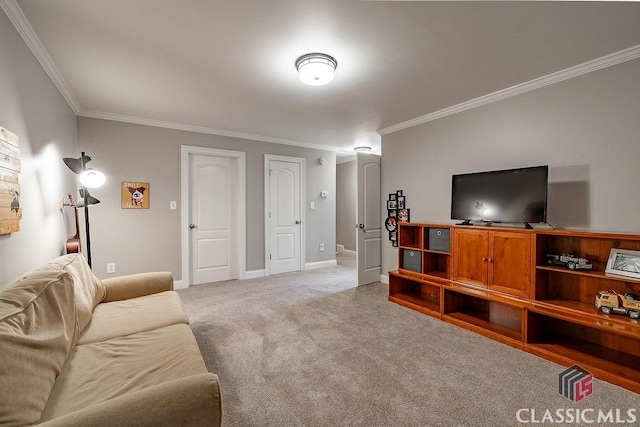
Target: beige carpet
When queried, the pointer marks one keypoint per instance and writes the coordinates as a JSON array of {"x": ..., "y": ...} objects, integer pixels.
[{"x": 311, "y": 349}]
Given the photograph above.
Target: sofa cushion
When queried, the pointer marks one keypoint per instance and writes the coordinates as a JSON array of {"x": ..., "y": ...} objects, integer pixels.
[
  {"x": 37, "y": 329},
  {"x": 41, "y": 316},
  {"x": 120, "y": 318},
  {"x": 89, "y": 290},
  {"x": 100, "y": 371}
]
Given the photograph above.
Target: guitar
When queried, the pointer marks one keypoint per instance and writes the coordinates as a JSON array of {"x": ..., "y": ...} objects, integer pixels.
[{"x": 73, "y": 242}]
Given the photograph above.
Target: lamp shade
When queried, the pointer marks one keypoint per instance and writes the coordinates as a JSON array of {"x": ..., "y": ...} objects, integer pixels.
[
  {"x": 76, "y": 164},
  {"x": 92, "y": 178},
  {"x": 90, "y": 199},
  {"x": 316, "y": 69}
]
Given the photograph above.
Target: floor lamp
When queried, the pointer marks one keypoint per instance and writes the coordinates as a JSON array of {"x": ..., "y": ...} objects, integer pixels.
[{"x": 89, "y": 178}]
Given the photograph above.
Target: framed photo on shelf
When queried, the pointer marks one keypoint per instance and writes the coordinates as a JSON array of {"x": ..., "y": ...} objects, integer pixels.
[
  {"x": 391, "y": 204},
  {"x": 623, "y": 262}
]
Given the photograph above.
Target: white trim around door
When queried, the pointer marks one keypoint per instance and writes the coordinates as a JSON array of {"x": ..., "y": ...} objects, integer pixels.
[
  {"x": 267, "y": 203},
  {"x": 240, "y": 156}
]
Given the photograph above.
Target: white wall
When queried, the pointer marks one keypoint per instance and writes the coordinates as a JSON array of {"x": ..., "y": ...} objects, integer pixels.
[
  {"x": 587, "y": 129},
  {"x": 32, "y": 108},
  {"x": 149, "y": 240}
]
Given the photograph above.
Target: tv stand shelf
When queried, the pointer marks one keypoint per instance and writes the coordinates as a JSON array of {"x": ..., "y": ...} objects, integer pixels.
[{"x": 495, "y": 282}]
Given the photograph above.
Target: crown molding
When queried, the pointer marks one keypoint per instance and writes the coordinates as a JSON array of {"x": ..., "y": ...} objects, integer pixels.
[
  {"x": 200, "y": 129},
  {"x": 15, "y": 14},
  {"x": 569, "y": 73}
]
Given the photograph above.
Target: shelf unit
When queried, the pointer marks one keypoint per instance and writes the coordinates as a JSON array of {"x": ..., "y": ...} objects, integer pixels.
[{"x": 545, "y": 310}]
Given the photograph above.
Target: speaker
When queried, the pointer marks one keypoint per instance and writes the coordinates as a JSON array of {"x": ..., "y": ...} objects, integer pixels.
[
  {"x": 412, "y": 260},
  {"x": 439, "y": 239}
]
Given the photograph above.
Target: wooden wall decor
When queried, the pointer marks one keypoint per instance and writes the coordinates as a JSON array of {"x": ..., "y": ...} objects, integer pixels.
[{"x": 10, "y": 210}]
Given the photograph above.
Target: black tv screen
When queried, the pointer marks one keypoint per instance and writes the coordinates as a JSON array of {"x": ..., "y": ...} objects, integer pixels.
[{"x": 513, "y": 195}]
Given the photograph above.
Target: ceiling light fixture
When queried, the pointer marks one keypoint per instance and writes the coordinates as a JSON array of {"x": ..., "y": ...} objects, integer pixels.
[
  {"x": 316, "y": 69},
  {"x": 362, "y": 149}
]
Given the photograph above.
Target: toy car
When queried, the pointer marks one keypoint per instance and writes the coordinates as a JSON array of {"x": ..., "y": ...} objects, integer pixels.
[
  {"x": 570, "y": 261},
  {"x": 612, "y": 302}
]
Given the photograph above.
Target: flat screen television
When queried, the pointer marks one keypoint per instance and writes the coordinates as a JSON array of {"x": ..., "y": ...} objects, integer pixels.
[{"x": 513, "y": 195}]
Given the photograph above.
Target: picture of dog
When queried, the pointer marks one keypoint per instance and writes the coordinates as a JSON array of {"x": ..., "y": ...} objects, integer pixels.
[{"x": 137, "y": 195}]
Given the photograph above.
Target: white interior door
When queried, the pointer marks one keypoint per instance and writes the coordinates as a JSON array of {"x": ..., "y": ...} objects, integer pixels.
[
  {"x": 369, "y": 240},
  {"x": 213, "y": 185},
  {"x": 284, "y": 217}
]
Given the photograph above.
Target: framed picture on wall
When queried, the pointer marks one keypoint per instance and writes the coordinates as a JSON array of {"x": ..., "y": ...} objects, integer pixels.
[
  {"x": 391, "y": 204},
  {"x": 403, "y": 215},
  {"x": 400, "y": 204},
  {"x": 135, "y": 195}
]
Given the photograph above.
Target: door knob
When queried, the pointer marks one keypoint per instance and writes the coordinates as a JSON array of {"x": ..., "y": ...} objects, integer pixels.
[
  {"x": 298, "y": 222},
  {"x": 360, "y": 225},
  {"x": 192, "y": 226}
]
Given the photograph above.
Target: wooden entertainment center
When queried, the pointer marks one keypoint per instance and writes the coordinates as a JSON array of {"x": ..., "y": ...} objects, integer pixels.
[{"x": 495, "y": 282}]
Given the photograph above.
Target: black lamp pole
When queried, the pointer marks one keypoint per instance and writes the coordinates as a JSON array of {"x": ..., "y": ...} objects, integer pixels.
[
  {"x": 85, "y": 196},
  {"x": 79, "y": 166}
]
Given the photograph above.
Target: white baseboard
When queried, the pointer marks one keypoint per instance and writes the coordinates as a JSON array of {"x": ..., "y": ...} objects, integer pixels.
[
  {"x": 320, "y": 264},
  {"x": 384, "y": 278},
  {"x": 254, "y": 274},
  {"x": 177, "y": 284},
  {"x": 349, "y": 251}
]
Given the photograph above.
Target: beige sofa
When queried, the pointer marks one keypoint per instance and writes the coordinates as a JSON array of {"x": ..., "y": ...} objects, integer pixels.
[{"x": 76, "y": 351}]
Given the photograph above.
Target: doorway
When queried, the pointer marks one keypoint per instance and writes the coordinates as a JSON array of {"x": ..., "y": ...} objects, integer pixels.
[
  {"x": 284, "y": 214},
  {"x": 213, "y": 215}
]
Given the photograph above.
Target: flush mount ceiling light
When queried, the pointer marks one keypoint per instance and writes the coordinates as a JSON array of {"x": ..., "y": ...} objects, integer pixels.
[
  {"x": 362, "y": 149},
  {"x": 316, "y": 69}
]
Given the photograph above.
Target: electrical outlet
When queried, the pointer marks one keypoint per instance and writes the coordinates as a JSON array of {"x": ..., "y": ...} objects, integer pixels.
[
  {"x": 312, "y": 205},
  {"x": 111, "y": 268},
  {"x": 173, "y": 205},
  {"x": 321, "y": 246}
]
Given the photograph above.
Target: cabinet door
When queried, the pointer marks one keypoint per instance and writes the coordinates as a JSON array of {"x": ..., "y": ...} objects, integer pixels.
[
  {"x": 470, "y": 259},
  {"x": 510, "y": 264}
]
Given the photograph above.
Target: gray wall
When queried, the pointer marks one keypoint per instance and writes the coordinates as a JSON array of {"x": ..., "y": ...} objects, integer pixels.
[
  {"x": 346, "y": 193},
  {"x": 148, "y": 240},
  {"x": 587, "y": 129},
  {"x": 32, "y": 108}
]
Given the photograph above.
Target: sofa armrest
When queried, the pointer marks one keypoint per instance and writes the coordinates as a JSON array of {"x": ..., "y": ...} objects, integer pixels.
[
  {"x": 193, "y": 401},
  {"x": 137, "y": 285}
]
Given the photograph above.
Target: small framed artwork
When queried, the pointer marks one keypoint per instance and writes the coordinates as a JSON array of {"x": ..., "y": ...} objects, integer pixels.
[
  {"x": 400, "y": 204},
  {"x": 623, "y": 262},
  {"x": 394, "y": 243},
  {"x": 392, "y": 196},
  {"x": 392, "y": 213},
  {"x": 391, "y": 224},
  {"x": 393, "y": 236},
  {"x": 135, "y": 195},
  {"x": 391, "y": 204},
  {"x": 399, "y": 193},
  {"x": 403, "y": 215}
]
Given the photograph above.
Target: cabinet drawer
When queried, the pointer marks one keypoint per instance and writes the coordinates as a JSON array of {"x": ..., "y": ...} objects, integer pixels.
[
  {"x": 412, "y": 260},
  {"x": 439, "y": 239}
]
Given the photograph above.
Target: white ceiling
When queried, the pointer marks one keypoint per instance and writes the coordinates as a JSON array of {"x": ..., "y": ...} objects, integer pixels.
[{"x": 227, "y": 66}]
